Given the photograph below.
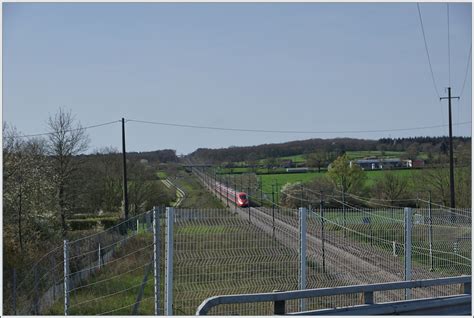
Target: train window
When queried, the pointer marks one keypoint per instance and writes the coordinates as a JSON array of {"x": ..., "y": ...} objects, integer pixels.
[{"x": 243, "y": 197}]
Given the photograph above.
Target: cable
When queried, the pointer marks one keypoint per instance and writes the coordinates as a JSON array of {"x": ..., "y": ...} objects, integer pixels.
[
  {"x": 290, "y": 131},
  {"x": 449, "y": 208},
  {"x": 70, "y": 130},
  {"x": 467, "y": 70},
  {"x": 108, "y": 279},
  {"x": 426, "y": 49}
]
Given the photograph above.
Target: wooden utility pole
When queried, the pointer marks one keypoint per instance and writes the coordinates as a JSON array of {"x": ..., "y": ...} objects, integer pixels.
[
  {"x": 124, "y": 157},
  {"x": 451, "y": 156}
]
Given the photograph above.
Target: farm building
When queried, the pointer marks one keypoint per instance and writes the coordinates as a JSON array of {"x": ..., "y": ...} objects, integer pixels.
[
  {"x": 297, "y": 169},
  {"x": 373, "y": 164}
]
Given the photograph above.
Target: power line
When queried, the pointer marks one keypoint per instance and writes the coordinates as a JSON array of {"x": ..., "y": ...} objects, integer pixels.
[
  {"x": 70, "y": 130},
  {"x": 467, "y": 70},
  {"x": 426, "y": 49},
  {"x": 289, "y": 131}
]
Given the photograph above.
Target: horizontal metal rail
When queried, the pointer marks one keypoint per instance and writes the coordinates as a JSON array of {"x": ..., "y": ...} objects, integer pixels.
[
  {"x": 446, "y": 305},
  {"x": 279, "y": 298}
]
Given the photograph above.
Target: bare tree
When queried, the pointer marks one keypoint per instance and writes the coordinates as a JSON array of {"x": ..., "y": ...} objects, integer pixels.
[
  {"x": 67, "y": 140},
  {"x": 392, "y": 187}
]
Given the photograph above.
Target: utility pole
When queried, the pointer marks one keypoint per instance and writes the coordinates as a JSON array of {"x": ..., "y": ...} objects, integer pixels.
[
  {"x": 451, "y": 158},
  {"x": 124, "y": 157}
]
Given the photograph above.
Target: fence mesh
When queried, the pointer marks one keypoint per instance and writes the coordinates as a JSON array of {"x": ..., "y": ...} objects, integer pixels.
[
  {"x": 249, "y": 250},
  {"x": 109, "y": 272}
]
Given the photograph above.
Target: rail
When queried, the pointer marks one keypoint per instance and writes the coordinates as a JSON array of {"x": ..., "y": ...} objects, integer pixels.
[{"x": 279, "y": 298}]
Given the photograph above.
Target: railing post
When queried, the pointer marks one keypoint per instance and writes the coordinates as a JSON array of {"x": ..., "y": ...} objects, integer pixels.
[
  {"x": 156, "y": 259},
  {"x": 169, "y": 262},
  {"x": 302, "y": 278},
  {"x": 66, "y": 277},
  {"x": 279, "y": 306},
  {"x": 467, "y": 288},
  {"x": 368, "y": 298},
  {"x": 14, "y": 291},
  {"x": 407, "y": 258}
]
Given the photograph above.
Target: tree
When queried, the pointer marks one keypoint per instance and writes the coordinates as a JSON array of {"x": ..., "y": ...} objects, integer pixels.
[
  {"x": 346, "y": 176},
  {"x": 66, "y": 140},
  {"x": 26, "y": 203},
  {"x": 316, "y": 159},
  {"x": 391, "y": 187},
  {"x": 412, "y": 151},
  {"x": 145, "y": 191}
]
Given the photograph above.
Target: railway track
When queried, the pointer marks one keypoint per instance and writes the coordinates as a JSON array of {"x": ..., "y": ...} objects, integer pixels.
[
  {"x": 180, "y": 194},
  {"x": 347, "y": 260}
]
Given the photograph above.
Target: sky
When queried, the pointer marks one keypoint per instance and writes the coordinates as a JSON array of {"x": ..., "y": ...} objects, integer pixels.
[{"x": 324, "y": 68}]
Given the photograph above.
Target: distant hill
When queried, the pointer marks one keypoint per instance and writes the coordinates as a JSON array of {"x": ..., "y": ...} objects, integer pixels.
[
  {"x": 334, "y": 146},
  {"x": 163, "y": 156}
]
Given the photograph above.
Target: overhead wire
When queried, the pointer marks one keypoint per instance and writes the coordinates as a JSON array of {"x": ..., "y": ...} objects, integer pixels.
[
  {"x": 248, "y": 130},
  {"x": 427, "y": 51},
  {"x": 288, "y": 131},
  {"x": 69, "y": 130},
  {"x": 467, "y": 71}
]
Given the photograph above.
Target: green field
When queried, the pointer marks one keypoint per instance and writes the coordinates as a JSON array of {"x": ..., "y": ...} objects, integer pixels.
[
  {"x": 280, "y": 179},
  {"x": 379, "y": 154},
  {"x": 272, "y": 179}
]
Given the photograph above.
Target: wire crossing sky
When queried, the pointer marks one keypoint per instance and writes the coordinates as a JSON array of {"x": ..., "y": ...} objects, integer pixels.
[{"x": 313, "y": 67}]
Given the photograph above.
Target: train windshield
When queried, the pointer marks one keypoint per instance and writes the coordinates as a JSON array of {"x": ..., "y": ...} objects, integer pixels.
[{"x": 243, "y": 197}]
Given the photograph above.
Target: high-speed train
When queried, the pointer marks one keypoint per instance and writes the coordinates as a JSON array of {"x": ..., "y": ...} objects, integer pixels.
[{"x": 239, "y": 198}]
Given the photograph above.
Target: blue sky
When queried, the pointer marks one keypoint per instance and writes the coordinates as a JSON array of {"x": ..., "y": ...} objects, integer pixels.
[{"x": 311, "y": 67}]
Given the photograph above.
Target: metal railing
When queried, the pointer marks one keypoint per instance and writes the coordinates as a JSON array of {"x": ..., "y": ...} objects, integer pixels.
[{"x": 279, "y": 298}]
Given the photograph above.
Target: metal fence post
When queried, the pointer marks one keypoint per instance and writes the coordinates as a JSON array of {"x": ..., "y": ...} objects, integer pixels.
[
  {"x": 430, "y": 233},
  {"x": 99, "y": 263},
  {"x": 302, "y": 278},
  {"x": 169, "y": 262},
  {"x": 321, "y": 210},
  {"x": 273, "y": 211},
  {"x": 36, "y": 300},
  {"x": 156, "y": 259},
  {"x": 408, "y": 230},
  {"x": 66, "y": 277},
  {"x": 344, "y": 212},
  {"x": 14, "y": 291},
  {"x": 248, "y": 200}
]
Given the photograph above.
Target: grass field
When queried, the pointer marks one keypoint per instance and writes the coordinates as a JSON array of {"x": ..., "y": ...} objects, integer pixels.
[
  {"x": 196, "y": 194},
  {"x": 281, "y": 179},
  {"x": 379, "y": 154}
]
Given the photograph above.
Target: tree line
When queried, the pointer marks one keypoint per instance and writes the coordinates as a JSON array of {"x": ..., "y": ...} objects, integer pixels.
[{"x": 330, "y": 149}]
